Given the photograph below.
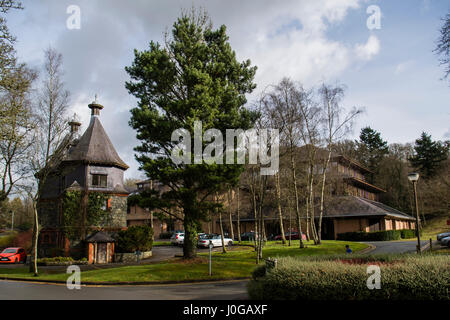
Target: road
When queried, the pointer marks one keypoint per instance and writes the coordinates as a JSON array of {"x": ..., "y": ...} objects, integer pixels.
[
  {"x": 230, "y": 290},
  {"x": 394, "y": 246}
]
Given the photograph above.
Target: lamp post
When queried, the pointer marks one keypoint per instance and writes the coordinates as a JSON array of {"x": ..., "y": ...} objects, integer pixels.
[{"x": 413, "y": 177}]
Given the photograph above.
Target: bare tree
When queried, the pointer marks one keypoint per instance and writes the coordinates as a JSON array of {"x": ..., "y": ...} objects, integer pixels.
[
  {"x": 53, "y": 101},
  {"x": 257, "y": 186},
  {"x": 49, "y": 147},
  {"x": 334, "y": 128},
  {"x": 309, "y": 132},
  {"x": 443, "y": 45},
  {"x": 17, "y": 124},
  {"x": 282, "y": 108},
  {"x": 15, "y": 86}
]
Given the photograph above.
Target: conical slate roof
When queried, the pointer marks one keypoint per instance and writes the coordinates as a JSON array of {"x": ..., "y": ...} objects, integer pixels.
[
  {"x": 99, "y": 237},
  {"x": 95, "y": 147}
]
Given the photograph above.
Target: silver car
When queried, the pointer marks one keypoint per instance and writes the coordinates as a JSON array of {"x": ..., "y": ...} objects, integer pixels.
[
  {"x": 177, "y": 238},
  {"x": 216, "y": 240},
  {"x": 441, "y": 236},
  {"x": 445, "y": 241}
]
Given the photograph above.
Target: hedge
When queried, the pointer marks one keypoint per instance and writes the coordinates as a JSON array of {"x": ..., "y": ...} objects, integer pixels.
[
  {"x": 135, "y": 238},
  {"x": 412, "y": 278},
  {"x": 377, "y": 235}
]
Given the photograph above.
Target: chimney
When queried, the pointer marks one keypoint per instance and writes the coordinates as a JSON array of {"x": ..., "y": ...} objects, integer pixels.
[{"x": 95, "y": 107}]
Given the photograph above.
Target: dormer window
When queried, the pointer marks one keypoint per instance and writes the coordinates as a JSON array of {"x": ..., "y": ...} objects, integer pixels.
[{"x": 99, "y": 180}]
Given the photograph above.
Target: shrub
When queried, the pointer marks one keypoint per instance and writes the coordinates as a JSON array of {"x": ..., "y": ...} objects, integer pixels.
[
  {"x": 135, "y": 238},
  {"x": 408, "y": 234},
  {"x": 55, "y": 259},
  {"x": 6, "y": 241},
  {"x": 25, "y": 226},
  {"x": 22, "y": 239},
  {"x": 405, "y": 277}
]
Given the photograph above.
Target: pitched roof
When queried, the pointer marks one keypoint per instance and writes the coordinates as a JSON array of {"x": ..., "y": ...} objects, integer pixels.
[
  {"x": 99, "y": 237},
  {"x": 351, "y": 206},
  {"x": 95, "y": 147}
]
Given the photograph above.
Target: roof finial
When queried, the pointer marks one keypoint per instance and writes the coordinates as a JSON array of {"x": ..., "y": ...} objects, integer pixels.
[
  {"x": 95, "y": 107},
  {"x": 74, "y": 124}
]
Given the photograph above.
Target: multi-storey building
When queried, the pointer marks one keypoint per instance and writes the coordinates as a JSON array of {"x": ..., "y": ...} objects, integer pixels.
[{"x": 354, "y": 203}]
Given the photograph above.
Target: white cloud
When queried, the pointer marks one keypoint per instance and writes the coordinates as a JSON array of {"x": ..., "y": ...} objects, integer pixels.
[
  {"x": 281, "y": 39},
  {"x": 368, "y": 50},
  {"x": 403, "y": 66}
]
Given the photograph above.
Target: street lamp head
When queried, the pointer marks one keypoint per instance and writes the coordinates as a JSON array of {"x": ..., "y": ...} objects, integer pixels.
[{"x": 413, "y": 177}]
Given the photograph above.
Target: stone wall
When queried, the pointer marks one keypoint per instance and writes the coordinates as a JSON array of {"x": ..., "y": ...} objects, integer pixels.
[
  {"x": 130, "y": 257},
  {"x": 118, "y": 218}
]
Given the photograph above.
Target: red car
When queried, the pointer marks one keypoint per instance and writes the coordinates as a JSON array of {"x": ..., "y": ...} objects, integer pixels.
[
  {"x": 294, "y": 236},
  {"x": 13, "y": 255}
]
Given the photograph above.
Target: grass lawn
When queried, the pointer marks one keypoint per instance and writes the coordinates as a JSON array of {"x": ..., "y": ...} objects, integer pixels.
[
  {"x": 161, "y": 243},
  {"x": 238, "y": 262}
]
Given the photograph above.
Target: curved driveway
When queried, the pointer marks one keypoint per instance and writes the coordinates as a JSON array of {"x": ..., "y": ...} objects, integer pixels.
[{"x": 394, "y": 246}]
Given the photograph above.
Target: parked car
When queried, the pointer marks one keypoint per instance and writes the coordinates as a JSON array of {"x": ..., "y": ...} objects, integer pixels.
[
  {"x": 13, "y": 255},
  {"x": 441, "y": 236},
  {"x": 294, "y": 236},
  {"x": 216, "y": 240},
  {"x": 177, "y": 238},
  {"x": 248, "y": 236},
  {"x": 445, "y": 241},
  {"x": 201, "y": 235}
]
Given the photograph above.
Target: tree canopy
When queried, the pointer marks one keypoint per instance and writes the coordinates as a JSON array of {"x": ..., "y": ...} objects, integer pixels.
[
  {"x": 429, "y": 155},
  {"x": 195, "y": 76}
]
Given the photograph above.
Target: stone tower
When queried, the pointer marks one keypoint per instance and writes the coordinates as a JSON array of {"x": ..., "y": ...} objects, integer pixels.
[{"x": 89, "y": 167}]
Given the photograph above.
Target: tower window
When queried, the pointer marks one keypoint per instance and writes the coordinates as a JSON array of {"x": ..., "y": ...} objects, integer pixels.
[{"x": 99, "y": 180}]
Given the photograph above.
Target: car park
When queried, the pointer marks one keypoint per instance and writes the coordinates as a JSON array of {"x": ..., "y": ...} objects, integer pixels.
[
  {"x": 13, "y": 255},
  {"x": 215, "y": 239}
]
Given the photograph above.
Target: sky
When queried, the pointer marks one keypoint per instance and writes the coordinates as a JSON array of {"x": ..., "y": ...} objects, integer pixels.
[{"x": 391, "y": 71}]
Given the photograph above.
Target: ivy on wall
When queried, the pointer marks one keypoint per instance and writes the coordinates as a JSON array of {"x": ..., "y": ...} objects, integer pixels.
[{"x": 96, "y": 212}]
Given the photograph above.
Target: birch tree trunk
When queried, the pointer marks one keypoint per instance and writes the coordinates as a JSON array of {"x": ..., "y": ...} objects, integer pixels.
[
  {"x": 297, "y": 209},
  {"x": 33, "y": 263},
  {"x": 280, "y": 215},
  {"x": 238, "y": 217},
  {"x": 224, "y": 250},
  {"x": 230, "y": 212},
  {"x": 322, "y": 195}
]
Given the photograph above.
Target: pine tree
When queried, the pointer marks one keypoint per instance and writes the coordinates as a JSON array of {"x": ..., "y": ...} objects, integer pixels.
[
  {"x": 429, "y": 155},
  {"x": 371, "y": 149},
  {"x": 194, "y": 77}
]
